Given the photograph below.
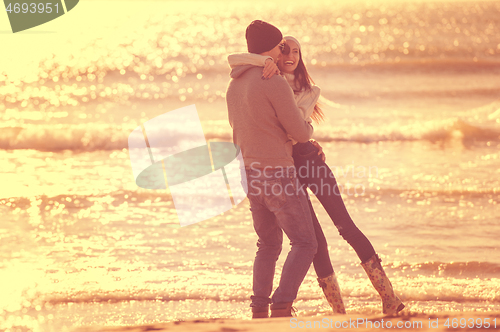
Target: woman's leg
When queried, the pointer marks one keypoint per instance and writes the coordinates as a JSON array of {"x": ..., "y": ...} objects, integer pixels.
[
  {"x": 322, "y": 264},
  {"x": 324, "y": 270},
  {"x": 315, "y": 173}
]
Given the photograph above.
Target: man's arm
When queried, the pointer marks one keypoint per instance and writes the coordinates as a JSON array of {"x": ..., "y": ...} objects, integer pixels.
[{"x": 290, "y": 116}]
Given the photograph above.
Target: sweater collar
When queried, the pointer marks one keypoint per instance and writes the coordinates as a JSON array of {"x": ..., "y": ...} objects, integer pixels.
[{"x": 290, "y": 78}]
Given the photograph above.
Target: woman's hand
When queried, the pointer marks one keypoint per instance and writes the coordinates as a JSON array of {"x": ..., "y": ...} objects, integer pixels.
[
  {"x": 270, "y": 69},
  {"x": 320, "y": 152}
]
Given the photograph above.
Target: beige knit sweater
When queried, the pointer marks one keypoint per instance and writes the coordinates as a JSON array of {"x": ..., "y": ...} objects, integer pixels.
[
  {"x": 262, "y": 113},
  {"x": 305, "y": 99}
]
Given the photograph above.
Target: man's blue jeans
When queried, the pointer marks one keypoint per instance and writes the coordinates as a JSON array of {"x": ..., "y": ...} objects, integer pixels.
[{"x": 278, "y": 204}]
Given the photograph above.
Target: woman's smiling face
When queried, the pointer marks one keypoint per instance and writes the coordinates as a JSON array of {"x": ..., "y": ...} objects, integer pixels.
[{"x": 287, "y": 63}]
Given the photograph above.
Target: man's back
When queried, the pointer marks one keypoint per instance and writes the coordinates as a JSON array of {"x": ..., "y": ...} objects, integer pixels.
[{"x": 261, "y": 113}]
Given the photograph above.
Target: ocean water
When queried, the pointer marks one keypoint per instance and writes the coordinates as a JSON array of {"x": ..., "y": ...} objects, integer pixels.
[{"x": 412, "y": 99}]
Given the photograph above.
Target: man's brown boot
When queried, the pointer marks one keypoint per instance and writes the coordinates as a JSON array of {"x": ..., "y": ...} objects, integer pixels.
[
  {"x": 284, "y": 309},
  {"x": 260, "y": 312}
]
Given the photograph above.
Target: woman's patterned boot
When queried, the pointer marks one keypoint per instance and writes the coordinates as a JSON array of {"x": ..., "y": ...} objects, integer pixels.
[
  {"x": 331, "y": 290},
  {"x": 391, "y": 304}
]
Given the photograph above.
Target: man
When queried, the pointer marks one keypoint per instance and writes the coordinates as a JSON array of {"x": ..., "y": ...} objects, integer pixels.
[{"x": 262, "y": 113}]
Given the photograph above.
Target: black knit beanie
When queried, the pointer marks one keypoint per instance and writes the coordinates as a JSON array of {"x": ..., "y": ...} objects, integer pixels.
[{"x": 262, "y": 37}]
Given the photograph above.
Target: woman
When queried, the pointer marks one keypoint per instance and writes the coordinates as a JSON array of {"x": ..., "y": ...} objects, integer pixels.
[{"x": 314, "y": 173}]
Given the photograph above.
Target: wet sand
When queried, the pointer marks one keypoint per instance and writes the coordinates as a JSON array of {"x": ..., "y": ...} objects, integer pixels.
[{"x": 469, "y": 321}]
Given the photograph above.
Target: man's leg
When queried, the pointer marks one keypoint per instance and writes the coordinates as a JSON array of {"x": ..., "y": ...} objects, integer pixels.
[
  {"x": 269, "y": 249},
  {"x": 269, "y": 242},
  {"x": 294, "y": 218}
]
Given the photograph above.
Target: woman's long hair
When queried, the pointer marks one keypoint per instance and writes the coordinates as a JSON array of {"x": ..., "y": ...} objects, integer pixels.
[{"x": 303, "y": 80}]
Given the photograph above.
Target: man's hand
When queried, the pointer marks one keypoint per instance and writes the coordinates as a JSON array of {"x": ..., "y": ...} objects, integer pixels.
[
  {"x": 270, "y": 69},
  {"x": 320, "y": 152}
]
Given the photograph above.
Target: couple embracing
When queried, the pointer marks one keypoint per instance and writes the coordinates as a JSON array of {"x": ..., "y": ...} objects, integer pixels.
[{"x": 271, "y": 117}]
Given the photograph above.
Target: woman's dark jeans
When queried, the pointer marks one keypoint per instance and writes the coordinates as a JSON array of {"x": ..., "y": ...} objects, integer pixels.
[{"x": 315, "y": 174}]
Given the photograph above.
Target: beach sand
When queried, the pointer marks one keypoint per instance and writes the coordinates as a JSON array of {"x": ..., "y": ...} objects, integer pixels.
[{"x": 409, "y": 321}]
